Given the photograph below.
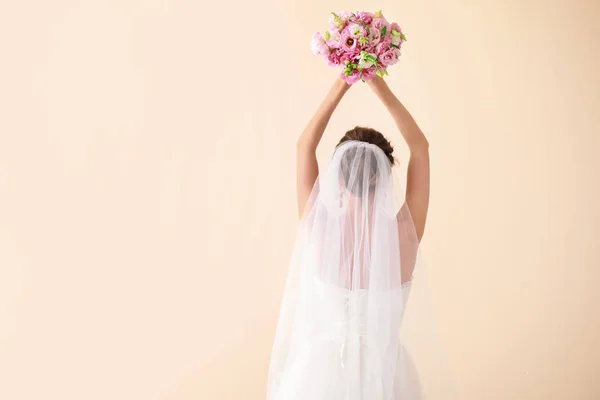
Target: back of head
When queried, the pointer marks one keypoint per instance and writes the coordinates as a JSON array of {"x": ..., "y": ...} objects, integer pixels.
[
  {"x": 366, "y": 156},
  {"x": 372, "y": 136}
]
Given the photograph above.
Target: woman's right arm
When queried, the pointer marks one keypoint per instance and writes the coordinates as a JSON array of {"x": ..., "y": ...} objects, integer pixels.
[
  {"x": 417, "y": 180},
  {"x": 306, "y": 159}
]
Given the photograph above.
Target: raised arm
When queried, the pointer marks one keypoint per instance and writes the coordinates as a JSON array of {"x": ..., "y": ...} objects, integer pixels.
[
  {"x": 306, "y": 160},
  {"x": 417, "y": 180}
]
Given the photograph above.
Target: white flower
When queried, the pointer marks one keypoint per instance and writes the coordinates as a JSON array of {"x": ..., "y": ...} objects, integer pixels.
[
  {"x": 396, "y": 40},
  {"x": 356, "y": 30},
  {"x": 375, "y": 36},
  {"x": 334, "y": 38},
  {"x": 317, "y": 44},
  {"x": 363, "y": 63}
]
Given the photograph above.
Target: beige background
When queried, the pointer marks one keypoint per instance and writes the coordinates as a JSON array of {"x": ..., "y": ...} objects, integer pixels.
[{"x": 147, "y": 204}]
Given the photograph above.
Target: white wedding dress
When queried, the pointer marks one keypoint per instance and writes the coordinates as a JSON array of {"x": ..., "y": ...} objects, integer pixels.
[
  {"x": 346, "y": 321},
  {"x": 320, "y": 369}
]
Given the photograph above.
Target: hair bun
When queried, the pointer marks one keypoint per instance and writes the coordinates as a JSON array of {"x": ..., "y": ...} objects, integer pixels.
[{"x": 370, "y": 136}]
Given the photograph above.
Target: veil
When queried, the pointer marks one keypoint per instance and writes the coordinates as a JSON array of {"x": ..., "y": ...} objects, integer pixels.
[{"x": 347, "y": 329}]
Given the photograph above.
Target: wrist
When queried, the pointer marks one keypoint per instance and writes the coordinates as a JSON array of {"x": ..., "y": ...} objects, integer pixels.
[
  {"x": 377, "y": 83},
  {"x": 380, "y": 88},
  {"x": 341, "y": 85}
]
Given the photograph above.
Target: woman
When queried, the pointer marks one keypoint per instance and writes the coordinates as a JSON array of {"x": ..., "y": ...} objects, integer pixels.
[{"x": 338, "y": 335}]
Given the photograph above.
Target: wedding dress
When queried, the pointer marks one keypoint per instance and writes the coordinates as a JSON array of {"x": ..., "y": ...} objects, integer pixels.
[{"x": 346, "y": 330}]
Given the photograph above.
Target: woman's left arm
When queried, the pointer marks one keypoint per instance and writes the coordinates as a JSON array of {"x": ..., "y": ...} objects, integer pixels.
[
  {"x": 306, "y": 147},
  {"x": 418, "y": 174}
]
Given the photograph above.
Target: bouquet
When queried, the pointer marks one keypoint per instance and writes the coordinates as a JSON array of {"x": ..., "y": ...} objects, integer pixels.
[{"x": 363, "y": 44}]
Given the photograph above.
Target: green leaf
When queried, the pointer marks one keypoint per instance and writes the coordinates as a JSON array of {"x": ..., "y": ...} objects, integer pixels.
[
  {"x": 403, "y": 37},
  {"x": 379, "y": 74},
  {"x": 383, "y": 31},
  {"x": 395, "y": 46},
  {"x": 385, "y": 71},
  {"x": 395, "y": 32}
]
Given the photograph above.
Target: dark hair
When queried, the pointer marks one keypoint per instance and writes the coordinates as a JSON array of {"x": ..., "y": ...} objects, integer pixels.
[
  {"x": 366, "y": 180},
  {"x": 370, "y": 136}
]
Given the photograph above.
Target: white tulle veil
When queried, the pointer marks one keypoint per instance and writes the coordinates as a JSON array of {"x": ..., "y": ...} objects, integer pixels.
[{"x": 355, "y": 321}]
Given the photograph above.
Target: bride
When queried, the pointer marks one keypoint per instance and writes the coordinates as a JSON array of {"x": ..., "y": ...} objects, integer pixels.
[{"x": 338, "y": 335}]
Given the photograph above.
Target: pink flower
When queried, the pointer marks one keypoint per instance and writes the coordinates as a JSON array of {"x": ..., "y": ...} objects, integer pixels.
[
  {"x": 344, "y": 14},
  {"x": 370, "y": 49},
  {"x": 318, "y": 45},
  {"x": 353, "y": 78},
  {"x": 334, "y": 38},
  {"x": 369, "y": 73},
  {"x": 351, "y": 56},
  {"x": 395, "y": 27},
  {"x": 388, "y": 58},
  {"x": 383, "y": 46},
  {"x": 356, "y": 30},
  {"x": 379, "y": 23},
  {"x": 365, "y": 17},
  {"x": 397, "y": 40},
  {"x": 374, "y": 37},
  {"x": 354, "y": 41},
  {"x": 334, "y": 58},
  {"x": 347, "y": 42}
]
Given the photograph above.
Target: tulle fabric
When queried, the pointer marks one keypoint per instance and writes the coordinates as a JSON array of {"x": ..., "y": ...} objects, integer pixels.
[{"x": 347, "y": 330}]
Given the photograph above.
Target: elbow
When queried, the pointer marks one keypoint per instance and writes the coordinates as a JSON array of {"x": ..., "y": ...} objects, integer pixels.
[
  {"x": 420, "y": 146},
  {"x": 300, "y": 143},
  {"x": 303, "y": 145}
]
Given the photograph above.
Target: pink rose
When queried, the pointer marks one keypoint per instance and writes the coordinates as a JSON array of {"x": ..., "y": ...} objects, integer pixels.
[
  {"x": 353, "y": 78},
  {"x": 397, "y": 40},
  {"x": 347, "y": 42},
  {"x": 351, "y": 56},
  {"x": 374, "y": 37},
  {"x": 335, "y": 58},
  {"x": 388, "y": 58},
  {"x": 369, "y": 73},
  {"x": 382, "y": 46},
  {"x": 318, "y": 45},
  {"x": 379, "y": 23},
  {"x": 370, "y": 49},
  {"x": 365, "y": 17},
  {"x": 395, "y": 27}
]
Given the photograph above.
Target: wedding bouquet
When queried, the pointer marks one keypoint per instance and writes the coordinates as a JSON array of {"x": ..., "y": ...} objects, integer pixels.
[{"x": 363, "y": 44}]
